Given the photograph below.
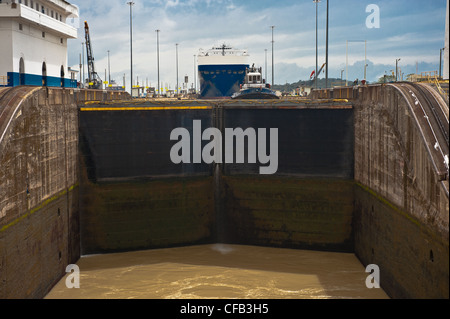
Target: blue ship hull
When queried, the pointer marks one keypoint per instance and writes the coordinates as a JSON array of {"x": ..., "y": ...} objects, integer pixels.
[
  {"x": 220, "y": 81},
  {"x": 15, "y": 79}
]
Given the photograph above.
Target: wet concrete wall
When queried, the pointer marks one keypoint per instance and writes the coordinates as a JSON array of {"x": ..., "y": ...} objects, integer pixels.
[
  {"x": 308, "y": 202},
  {"x": 304, "y": 213},
  {"x": 134, "y": 197},
  {"x": 413, "y": 260},
  {"x": 134, "y": 143},
  {"x": 315, "y": 142},
  {"x": 39, "y": 203},
  {"x": 39, "y": 229},
  {"x": 392, "y": 156},
  {"x": 146, "y": 214},
  {"x": 401, "y": 203}
]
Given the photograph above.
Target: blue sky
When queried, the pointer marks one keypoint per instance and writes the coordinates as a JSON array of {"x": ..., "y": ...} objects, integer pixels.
[{"x": 412, "y": 30}]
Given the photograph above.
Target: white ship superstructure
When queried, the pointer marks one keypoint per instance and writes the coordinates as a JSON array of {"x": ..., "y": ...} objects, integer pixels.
[
  {"x": 33, "y": 37},
  {"x": 223, "y": 54}
]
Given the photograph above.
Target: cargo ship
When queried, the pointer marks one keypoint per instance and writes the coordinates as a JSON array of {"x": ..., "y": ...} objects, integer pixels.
[{"x": 221, "y": 70}]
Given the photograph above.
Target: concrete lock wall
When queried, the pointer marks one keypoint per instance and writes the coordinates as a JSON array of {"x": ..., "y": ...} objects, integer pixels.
[
  {"x": 308, "y": 202},
  {"x": 138, "y": 198},
  {"x": 401, "y": 206},
  {"x": 340, "y": 185},
  {"x": 39, "y": 186},
  {"x": 39, "y": 228},
  {"x": 132, "y": 195},
  {"x": 343, "y": 183}
]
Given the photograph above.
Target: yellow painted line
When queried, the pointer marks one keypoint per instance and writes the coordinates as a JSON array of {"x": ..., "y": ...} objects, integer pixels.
[
  {"x": 145, "y": 108},
  {"x": 34, "y": 210}
]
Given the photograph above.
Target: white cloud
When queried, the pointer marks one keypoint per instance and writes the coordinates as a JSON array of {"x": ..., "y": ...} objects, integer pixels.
[{"x": 171, "y": 3}]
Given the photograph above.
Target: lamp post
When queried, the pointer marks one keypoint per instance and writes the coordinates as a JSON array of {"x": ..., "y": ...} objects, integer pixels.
[
  {"x": 346, "y": 64},
  {"x": 109, "y": 70},
  {"x": 80, "y": 70},
  {"x": 346, "y": 58},
  {"x": 265, "y": 66},
  {"x": 326, "y": 52},
  {"x": 440, "y": 62},
  {"x": 365, "y": 71},
  {"x": 131, "y": 3},
  {"x": 317, "y": 59},
  {"x": 157, "y": 55},
  {"x": 273, "y": 78},
  {"x": 396, "y": 69},
  {"x": 176, "y": 45},
  {"x": 195, "y": 75},
  {"x": 365, "y": 59},
  {"x": 82, "y": 52}
]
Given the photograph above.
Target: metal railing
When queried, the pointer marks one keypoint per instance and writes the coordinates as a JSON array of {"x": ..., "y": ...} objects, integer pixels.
[
  {"x": 436, "y": 82},
  {"x": 427, "y": 76}
]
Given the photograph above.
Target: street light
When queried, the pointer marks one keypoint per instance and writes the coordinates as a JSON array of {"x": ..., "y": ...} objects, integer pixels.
[
  {"x": 346, "y": 57},
  {"x": 195, "y": 75},
  {"x": 82, "y": 52},
  {"x": 157, "y": 55},
  {"x": 326, "y": 53},
  {"x": 440, "y": 62},
  {"x": 176, "y": 45},
  {"x": 80, "y": 70},
  {"x": 109, "y": 70},
  {"x": 396, "y": 69},
  {"x": 131, "y": 3},
  {"x": 265, "y": 67},
  {"x": 365, "y": 71},
  {"x": 317, "y": 62},
  {"x": 273, "y": 78}
]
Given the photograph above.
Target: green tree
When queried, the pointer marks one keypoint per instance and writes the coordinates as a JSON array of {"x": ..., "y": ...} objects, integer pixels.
[{"x": 386, "y": 78}]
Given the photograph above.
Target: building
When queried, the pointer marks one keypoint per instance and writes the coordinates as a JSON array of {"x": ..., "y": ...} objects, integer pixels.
[
  {"x": 33, "y": 37},
  {"x": 301, "y": 91}
]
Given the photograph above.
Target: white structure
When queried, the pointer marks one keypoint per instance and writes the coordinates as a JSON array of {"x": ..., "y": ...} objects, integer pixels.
[
  {"x": 446, "y": 57},
  {"x": 33, "y": 37}
]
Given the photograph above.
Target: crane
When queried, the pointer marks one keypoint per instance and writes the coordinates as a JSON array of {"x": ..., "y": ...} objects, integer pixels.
[
  {"x": 313, "y": 75},
  {"x": 94, "y": 80}
]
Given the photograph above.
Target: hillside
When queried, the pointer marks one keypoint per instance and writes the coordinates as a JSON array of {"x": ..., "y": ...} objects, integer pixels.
[{"x": 288, "y": 87}]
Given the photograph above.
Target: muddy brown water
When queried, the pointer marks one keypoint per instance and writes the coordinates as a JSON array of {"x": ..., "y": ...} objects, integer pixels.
[{"x": 219, "y": 271}]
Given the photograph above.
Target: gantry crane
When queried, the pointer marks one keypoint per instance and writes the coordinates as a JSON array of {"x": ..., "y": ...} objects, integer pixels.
[{"x": 94, "y": 80}]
